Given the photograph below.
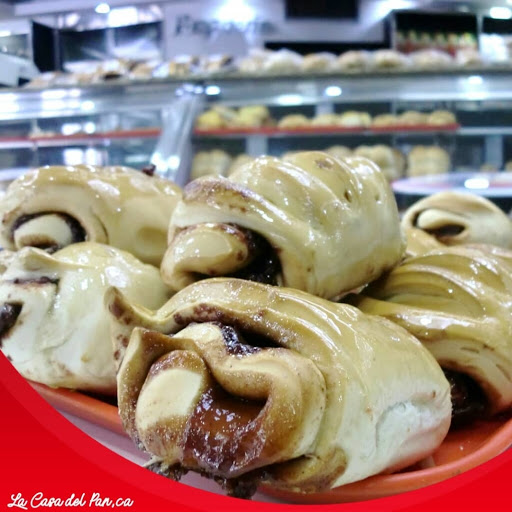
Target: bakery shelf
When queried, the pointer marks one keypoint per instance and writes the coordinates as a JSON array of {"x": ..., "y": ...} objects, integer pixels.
[{"x": 322, "y": 131}]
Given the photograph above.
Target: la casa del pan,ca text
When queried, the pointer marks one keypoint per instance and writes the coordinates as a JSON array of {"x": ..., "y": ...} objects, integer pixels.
[{"x": 39, "y": 500}]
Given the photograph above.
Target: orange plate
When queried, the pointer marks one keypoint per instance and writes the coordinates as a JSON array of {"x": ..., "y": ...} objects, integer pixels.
[{"x": 461, "y": 450}]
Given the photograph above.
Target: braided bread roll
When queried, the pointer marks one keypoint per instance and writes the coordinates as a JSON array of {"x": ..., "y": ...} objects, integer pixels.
[
  {"x": 455, "y": 218},
  {"x": 53, "y": 207},
  {"x": 246, "y": 382},
  {"x": 458, "y": 302},
  {"x": 54, "y": 327},
  {"x": 311, "y": 222}
]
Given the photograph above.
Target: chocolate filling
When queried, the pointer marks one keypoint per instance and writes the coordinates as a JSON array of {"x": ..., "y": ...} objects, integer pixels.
[
  {"x": 468, "y": 400},
  {"x": 9, "y": 313},
  {"x": 149, "y": 170},
  {"x": 78, "y": 233},
  {"x": 265, "y": 266}
]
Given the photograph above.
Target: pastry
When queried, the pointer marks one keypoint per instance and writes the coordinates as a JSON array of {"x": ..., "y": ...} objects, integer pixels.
[
  {"x": 339, "y": 151},
  {"x": 322, "y": 61},
  {"x": 253, "y": 63},
  {"x": 310, "y": 222},
  {"x": 215, "y": 118},
  {"x": 412, "y": 117},
  {"x": 431, "y": 59},
  {"x": 215, "y": 162},
  {"x": 351, "y": 118},
  {"x": 55, "y": 327},
  {"x": 385, "y": 120},
  {"x": 293, "y": 121},
  {"x": 441, "y": 117},
  {"x": 390, "y": 161},
  {"x": 458, "y": 302},
  {"x": 247, "y": 384},
  {"x": 252, "y": 116},
  {"x": 355, "y": 60},
  {"x": 389, "y": 59},
  {"x": 282, "y": 61},
  {"x": 423, "y": 160},
  {"x": 52, "y": 207},
  {"x": 468, "y": 57},
  {"x": 326, "y": 120},
  {"x": 455, "y": 218},
  {"x": 487, "y": 167}
]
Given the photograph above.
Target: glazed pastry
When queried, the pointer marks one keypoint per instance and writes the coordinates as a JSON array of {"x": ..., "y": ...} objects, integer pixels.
[
  {"x": 431, "y": 59},
  {"x": 352, "y": 118},
  {"x": 215, "y": 118},
  {"x": 390, "y": 161},
  {"x": 389, "y": 59},
  {"x": 52, "y": 207},
  {"x": 293, "y": 121},
  {"x": 441, "y": 117},
  {"x": 311, "y": 222},
  {"x": 354, "y": 60},
  {"x": 282, "y": 61},
  {"x": 385, "y": 120},
  {"x": 455, "y": 218},
  {"x": 322, "y": 61},
  {"x": 215, "y": 162},
  {"x": 423, "y": 160},
  {"x": 326, "y": 120},
  {"x": 339, "y": 151},
  {"x": 248, "y": 384},
  {"x": 252, "y": 116},
  {"x": 412, "y": 117},
  {"x": 54, "y": 326},
  {"x": 458, "y": 302}
]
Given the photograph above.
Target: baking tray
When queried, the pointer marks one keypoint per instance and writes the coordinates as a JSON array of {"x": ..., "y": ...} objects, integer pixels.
[{"x": 462, "y": 450}]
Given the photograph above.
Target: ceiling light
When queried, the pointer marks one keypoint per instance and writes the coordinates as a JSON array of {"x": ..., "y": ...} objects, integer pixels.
[
  {"x": 501, "y": 13},
  {"x": 102, "y": 8},
  {"x": 333, "y": 90},
  {"x": 212, "y": 90}
]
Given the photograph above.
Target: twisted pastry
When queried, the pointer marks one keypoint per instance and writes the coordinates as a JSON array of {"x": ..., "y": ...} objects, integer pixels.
[
  {"x": 458, "y": 302},
  {"x": 53, "y": 207},
  {"x": 455, "y": 218},
  {"x": 54, "y": 327},
  {"x": 246, "y": 382},
  {"x": 311, "y": 222}
]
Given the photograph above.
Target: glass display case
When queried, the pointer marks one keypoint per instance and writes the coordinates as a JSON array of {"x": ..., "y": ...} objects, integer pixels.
[{"x": 136, "y": 123}]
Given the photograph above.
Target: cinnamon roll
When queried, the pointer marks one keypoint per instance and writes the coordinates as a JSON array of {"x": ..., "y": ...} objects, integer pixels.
[
  {"x": 455, "y": 218},
  {"x": 52, "y": 207},
  {"x": 247, "y": 384},
  {"x": 54, "y": 327},
  {"x": 310, "y": 222},
  {"x": 458, "y": 302}
]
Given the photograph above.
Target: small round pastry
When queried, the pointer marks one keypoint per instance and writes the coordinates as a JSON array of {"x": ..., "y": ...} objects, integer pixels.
[
  {"x": 311, "y": 222},
  {"x": 315, "y": 62},
  {"x": 215, "y": 162},
  {"x": 52, "y": 207},
  {"x": 423, "y": 160},
  {"x": 252, "y": 116},
  {"x": 253, "y": 62},
  {"x": 389, "y": 59},
  {"x": 339, "y": 151},
  {"x": 455, "y": 218},
  {"x": 55, "y": 327},
  {"x": 412, "y": 117},
  {"x": 385, "y": 120},
  {"x": 441, "y": 117},
  {"x": 248, "y": 384},
  {"x": 390, "y": 161},
  {"x": 326, "y": 120},
  {"x": 354, "y": 60},
  {"x": 210, "y": 120},
  {"x": 468, "y": 57},
  {"x": 457, "y": 302},
  {"x": 351, "y": 118},
  {"x": 431, "y": 59},
  {"x": 282, "y": 61},
  {"x": 293, "y": 121}
]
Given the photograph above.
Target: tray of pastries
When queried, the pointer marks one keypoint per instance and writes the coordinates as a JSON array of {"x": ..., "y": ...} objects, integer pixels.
[{"x": 280, "y": 329}]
